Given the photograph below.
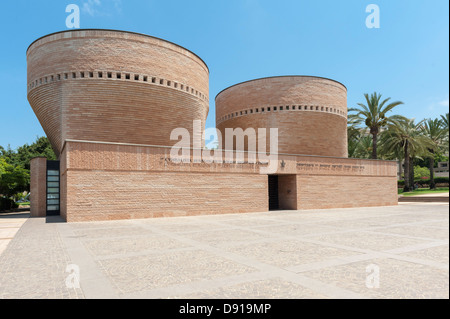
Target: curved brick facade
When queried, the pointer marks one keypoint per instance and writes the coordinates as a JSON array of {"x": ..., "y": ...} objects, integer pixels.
[
  {"x": 114, "y": 86},
  {"x": 310, "y": 112}
]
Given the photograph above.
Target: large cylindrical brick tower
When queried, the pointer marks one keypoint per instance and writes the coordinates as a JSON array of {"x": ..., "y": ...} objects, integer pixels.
[
  {"x": 309, "y": 112},
  {"x": 115, "y": 86}
]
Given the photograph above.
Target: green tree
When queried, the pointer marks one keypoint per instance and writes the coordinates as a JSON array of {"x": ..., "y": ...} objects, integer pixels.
[
  {"x": 25, "y": 153},
  {"x": 374, "y": 116},
  {"x": 421, "y": 172},
  {"x": 435, "y": 131},
  {"x": 404, "y": 139},
  {"x": 13, "y": 179}
]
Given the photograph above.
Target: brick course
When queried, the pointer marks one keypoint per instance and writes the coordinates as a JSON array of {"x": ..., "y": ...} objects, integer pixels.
[
  {"x": 162, "y": 87},
  {"x": 314, "y": 124}
]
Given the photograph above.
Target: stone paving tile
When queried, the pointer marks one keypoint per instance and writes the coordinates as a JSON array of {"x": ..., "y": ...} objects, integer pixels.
[
  {"x": 189, "y": 227},
  {"x": 274, "y": 288},
  {"x": 417, "y": 231},
  {"x": 34, "y": 264},
  {"x": 363, "y": 240},
  {"x": 289, "y": 253},
  {"x": 150, "y": 272},
  {"x": 397, "y": 279},
  {"x": 105, "y": 247},
  {"x": 226, "y": 237},
  {"x": 368, "y": 222},
  {"x": 438, "y": 254},
  {"x": 250, "y": 222},
  {"x": 111, "y": 232},
  {"x": 296, "y": 229},
  {"x": 262, "y": 255}
]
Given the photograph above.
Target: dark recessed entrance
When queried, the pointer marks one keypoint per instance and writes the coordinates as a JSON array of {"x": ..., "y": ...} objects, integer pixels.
[
  {"x": 53, "y": 192},
  {"x": 273, "y": 193}
]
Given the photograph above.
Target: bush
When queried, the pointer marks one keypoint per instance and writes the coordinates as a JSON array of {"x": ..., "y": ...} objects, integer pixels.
[
  {"x": 7, "y": 204},
  {"x": 421, "y": 173},
  {"x": 440, "y": 182}
]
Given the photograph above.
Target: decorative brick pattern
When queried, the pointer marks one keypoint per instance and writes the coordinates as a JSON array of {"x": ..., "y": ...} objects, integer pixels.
[
  {"x": 309, "y": 112},
  {"x": 115, "y": 86}
]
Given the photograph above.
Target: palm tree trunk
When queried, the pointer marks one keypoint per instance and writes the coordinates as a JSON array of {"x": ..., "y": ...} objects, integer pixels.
[
  {"x": 374, "y": 146},
  {"x": 406, "y": 188},
  {"x": 411, "y": 173},
  {"x": 432, "y": 183}
]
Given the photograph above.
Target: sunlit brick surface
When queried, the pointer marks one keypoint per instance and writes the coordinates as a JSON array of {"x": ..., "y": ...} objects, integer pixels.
[
  {"x": 309, "y": 112},
  {"x": 115, "y": 86}
]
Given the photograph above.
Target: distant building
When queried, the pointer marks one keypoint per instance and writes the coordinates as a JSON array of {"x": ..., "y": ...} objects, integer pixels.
[{"x": 442, "y": 170}]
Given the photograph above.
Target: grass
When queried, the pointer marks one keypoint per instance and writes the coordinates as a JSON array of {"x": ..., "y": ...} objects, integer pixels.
[
  {"x": 423, "y": 191},
  {"x": 24, "y": 204}
]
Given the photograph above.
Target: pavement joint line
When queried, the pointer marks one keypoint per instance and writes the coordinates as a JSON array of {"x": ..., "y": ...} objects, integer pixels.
[
  {"x": 198, "y": 286},
  {"x": 365, "y": 229},
  {"x": 416, "y": 247},
  {"x": 315, "y": 285},
  {"x": 94, "y": 284},
  {"x": 144, "y": 253},
  {"x": 399, "y": 235}
]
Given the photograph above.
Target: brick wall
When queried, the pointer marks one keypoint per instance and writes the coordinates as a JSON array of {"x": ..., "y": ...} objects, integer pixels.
[
  {"x": 111, "y": 195},
  {"x": 105, "y": 181},
  {"x": 323, "y": 192},
  {"x": 38, "y": 187},
  {"x": 115, "y": 86},
  {"x": 310, "y": 113},
  {"x": 287, "y": 192}
]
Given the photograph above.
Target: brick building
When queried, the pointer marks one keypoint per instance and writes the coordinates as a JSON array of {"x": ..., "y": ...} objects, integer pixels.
[{"x": 109, "y": 100}]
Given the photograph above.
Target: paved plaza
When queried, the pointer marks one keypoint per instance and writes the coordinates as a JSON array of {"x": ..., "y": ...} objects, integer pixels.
[{"x": 389, "y": 252}]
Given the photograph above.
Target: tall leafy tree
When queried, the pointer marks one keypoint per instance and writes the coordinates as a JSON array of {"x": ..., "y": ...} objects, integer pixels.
[
  {"x": 374, "y": 116},
  {"x": 405, "y": 140},
  {"x": 13, "y": 179},
  {"x": 436, "y": 132}
]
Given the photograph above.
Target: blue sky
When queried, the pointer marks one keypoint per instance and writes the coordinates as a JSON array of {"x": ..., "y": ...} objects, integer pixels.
[{"x": 406, "y": 59}]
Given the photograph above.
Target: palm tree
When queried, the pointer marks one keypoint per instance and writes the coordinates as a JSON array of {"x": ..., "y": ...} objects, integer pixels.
[
  {"x": 444, "y": 119},
  {"x": 405, "y": 140},
  {"x": 373, "y": 115},
  {"x": 435, "y": 131}
]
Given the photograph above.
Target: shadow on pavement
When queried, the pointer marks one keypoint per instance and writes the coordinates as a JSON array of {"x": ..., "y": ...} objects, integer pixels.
[
  {"x": 25, "y": 214},
  {"x": 54, "y": 220}
]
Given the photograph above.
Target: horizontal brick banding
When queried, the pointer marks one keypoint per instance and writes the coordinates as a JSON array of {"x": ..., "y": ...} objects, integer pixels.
[
  {"x": 117, "y": 76},
  {"x": 101, "y": 181},
  {"x": 308, "y": 129},
  {"x": 325, "y": 192},
  {"x": 161, "y": 87}
]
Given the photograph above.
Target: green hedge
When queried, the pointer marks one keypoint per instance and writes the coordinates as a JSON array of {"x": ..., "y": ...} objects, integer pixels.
[{"x": 425, "y": 182}]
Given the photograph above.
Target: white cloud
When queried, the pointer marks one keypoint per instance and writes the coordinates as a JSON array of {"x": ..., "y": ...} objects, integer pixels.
[
  {"x": 102, "y": 7},
  {"x": 444, "y": 103}
]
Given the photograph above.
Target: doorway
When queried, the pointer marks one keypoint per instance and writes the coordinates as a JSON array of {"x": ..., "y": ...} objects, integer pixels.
[{"x": 274, "y": 203}]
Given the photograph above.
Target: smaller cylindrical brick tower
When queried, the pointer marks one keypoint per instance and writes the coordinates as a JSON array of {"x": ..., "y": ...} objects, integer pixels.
[{"x": 309, "y": 112}]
